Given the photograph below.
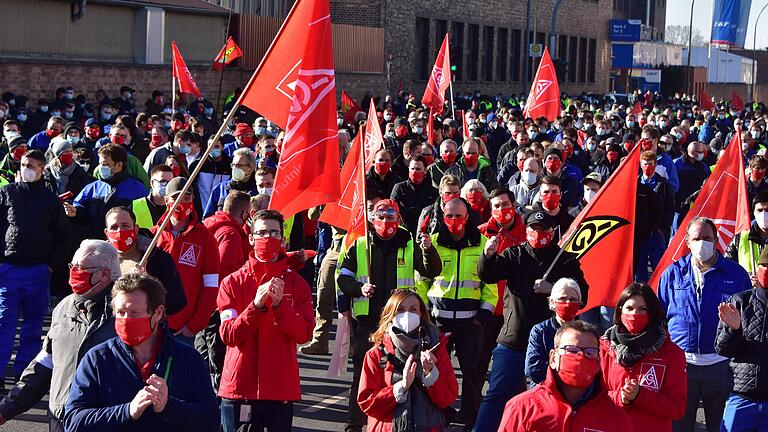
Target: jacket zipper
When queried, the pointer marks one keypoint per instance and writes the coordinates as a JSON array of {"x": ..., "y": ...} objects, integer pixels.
[{"x": 458, "y": 272}]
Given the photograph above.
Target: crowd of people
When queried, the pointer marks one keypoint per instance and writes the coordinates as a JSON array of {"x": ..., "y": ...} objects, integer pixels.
[{"x": 465, "y": 212}]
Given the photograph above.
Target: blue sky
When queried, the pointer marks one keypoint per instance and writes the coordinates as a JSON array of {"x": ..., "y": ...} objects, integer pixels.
[{"x": 678, "y": 13}]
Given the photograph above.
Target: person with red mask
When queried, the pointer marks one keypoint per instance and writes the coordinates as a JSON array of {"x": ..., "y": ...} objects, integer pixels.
[
  {"x": 92, "y": 134},
  {"x": 158, "y": 137},
  {"x": 431, "y": 216},
  {"x": 414, "y": 194},
  {"x": 226, "y": 225},
  {"x": 42, "y": 140},
  {"x": 565, "y": 302},
  {"x": 643, "y": 370},
  {"x": 756, "y": 180},
  {"x": 381, "y": 176},
  {"x": 571, "y": 397},
  {"x": 371, "y": 270},
  {"x": 150, "y": 208},
  {"x": 570, "y": 187},
  {"x": 526, "y": 303},
  {"x": 144, "y": 379},
  {"x": 244, "y": 138},
  {"x": 473, "y": 166},
  {"x": 131, "y": 242},
  {"x": 79, "y": 322},
  {"x": 445, "y": 160},
  {"x": 607, "y": 165},
  {"x": 665, "y": 166},
  {"x": 181, "y": 146},
  {"x": 476, "y": 195},
  {"x": 549, "y": 201},
  {"x": 266, "y": 311},
  {"x": 10, "y": 164},
  {"x": 196, "y": 255},
  {"x": 655, "y": 211},
  {"x": 461, "y": 303}
]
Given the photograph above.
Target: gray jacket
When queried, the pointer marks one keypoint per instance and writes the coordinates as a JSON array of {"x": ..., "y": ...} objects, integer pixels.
[{"x": 77, "y": 325}]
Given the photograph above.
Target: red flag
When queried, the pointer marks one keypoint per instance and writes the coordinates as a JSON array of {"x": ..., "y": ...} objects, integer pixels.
[
  {"x": 604, "y": 227},
  {"x": 297, "y": 90},
  {"x": 349, "y": 107},
  {"x": 637, "y": 108},
  {"x": 434, "y": 95},
  {"x": 464, "y": 125},
  {"x": 736, "y": 102},
  {"x": 228, "y": 53},
  {"x": 705, "y": 102},
  {"x": 348, "y": 212},
  {"x": 723, "y": 199},
  {"x": 544, "y": 97},
  {"x": 181, "y": 73}
]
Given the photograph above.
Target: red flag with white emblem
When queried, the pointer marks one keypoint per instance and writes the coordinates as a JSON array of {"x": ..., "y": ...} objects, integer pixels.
[
  {"x": 294, "y": 86},
  {"x": 182, "y": 74},
  {"x": 723, "y": 199},
  {"x": 434, "y": 95},
  {"x": 544, "y": 97}
]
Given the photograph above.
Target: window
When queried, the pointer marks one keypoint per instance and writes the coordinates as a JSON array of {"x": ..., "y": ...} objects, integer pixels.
[
  {"x": 473, "y": 40},
  {"x": 592, "y": 59},
  {"x": 533, "y": 62},
  {"x": 487, "y": 53},
  {"x": 421, "y": 64},
  {"x": 572, "y": 63},
  {"x": 562, "y": 53},
  {"x": 457, "y": 49},
  {"x": 515, "y": 60},
  {"x": 502, "y": 48},
  {"x": 441, "y": 27},
  {"x": 582, "y": 60}
]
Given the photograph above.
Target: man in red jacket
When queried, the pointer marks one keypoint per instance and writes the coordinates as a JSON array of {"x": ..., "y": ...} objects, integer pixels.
[
  {"x": 266, "y": 311},
  {"x": 572, "y": 397},
  {"x": 227, "y": 227},
  {"x": 195, "y": 252}
]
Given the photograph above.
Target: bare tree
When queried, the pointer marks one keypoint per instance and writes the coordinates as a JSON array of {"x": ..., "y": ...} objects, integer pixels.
[{"x": 678, "y": 35}]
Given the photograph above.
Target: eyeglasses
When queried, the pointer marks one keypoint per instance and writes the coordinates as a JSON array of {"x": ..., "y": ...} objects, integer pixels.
[
  {"x": 79, "y": 267},
  {"x": 590, "y": 353},
  {"x": 268, "y": 233}
]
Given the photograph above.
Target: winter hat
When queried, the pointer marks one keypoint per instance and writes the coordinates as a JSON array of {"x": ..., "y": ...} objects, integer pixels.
[
  {"x": 60, "y": 145},
  {"x": 242, "y": 129},
  {"x": 15, "y": 142},
  {"x": 553, "y": 150}
]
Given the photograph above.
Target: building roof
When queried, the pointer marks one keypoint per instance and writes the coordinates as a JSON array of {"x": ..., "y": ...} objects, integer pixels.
[{"x": 199, "y": 6}]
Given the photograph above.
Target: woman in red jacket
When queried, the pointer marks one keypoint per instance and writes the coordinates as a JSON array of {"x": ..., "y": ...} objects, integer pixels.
[
  {"x": 643, "y": 369},
  {"x": 407, "y": 377}
]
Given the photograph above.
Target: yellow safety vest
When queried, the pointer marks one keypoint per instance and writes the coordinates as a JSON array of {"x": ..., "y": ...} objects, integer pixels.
[
  {"x": 287, "y": 228},
  {"x": 143, "y": 216},
  {"x": 405, "y": 273},
  {"x": 749, "y": 253},
  {"x": 458, "y": 292}
]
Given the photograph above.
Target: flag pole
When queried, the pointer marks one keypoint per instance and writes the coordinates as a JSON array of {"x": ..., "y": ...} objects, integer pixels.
[
  {"x": 450, "y": 86},
  {"x": 216, "y": 137},
  {"x": 223, "y": 66},
  {"x": 173, "y": 97},
  {"x": 362, "y": 199}
]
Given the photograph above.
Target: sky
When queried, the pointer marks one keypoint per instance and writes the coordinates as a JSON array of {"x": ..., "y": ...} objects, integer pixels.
[{"x": 678, "y": 13}]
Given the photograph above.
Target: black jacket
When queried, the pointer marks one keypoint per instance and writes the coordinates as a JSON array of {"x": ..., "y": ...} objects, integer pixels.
[
  {"x": 748, "y": 346},
  {"x": 520, "y": 266},
  {"x": 412, "y": 199},
  {"x": 33, "y": 224},
  {"x": 372, "y": 180},
  {"x": 160, "y": 264},
  {"x": 383, "y": 263}
]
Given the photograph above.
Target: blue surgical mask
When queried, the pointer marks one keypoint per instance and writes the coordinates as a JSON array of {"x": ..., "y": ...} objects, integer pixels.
[
  {"x": 105, "y": 172},
  {"x": 106, "y": 116},
  {"x": 21, "y": 117},
  {"x": 73, "y": 140},
  {"x": 43, "y": 108},
  {"x": 418, "y": 130},
  {"x": 261, "y": 131},
  {"x": 185, "y": 149},
  {"x": 208, "y": 111},
  {"x": 215, "y": 153}
]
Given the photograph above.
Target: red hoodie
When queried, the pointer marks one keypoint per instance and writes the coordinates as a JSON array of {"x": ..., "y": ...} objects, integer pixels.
[
  {"x": 197, "y": 259},
  {"x": 233, "y": 241},
  {"x": 261, "y": 362},
  {"x": 515, "y": 236},
  {"x": 544, "y": 409},
  {"x": 663, "y": 385}
]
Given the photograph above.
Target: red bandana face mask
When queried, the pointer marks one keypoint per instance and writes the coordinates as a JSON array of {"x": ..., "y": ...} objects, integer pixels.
[
  {"x": 67, "y": 158},
  {"x": 646, "y": 144},
  {"x": 756, "y": 175},
  {"x": 401, "y": 131},
  {"x": 118, "y": 139},
  {"x": 382, "y": 168},
  {"x": 156, "y": 140},
  {"x": 448, "y": 197},
  {"x": 520, "y": 165},
  {"x": 51, "y": 133},
  {"x": 416, "y": 176},
  {"x": 566, "y": 311},
  {"x": 246, "y": 141},
  {"x": 550, "y": 201},
  {"x": 476, "y": 199},
  {"x": 612, "y": 156},
  {"x": 762, "y": 276},
  {"x": 175, "y": 170},
  {"x": 648, "y": 170},
  {"x": 538, "y": 239},
  {"x": 183, "y": 210},
  {"x": 503, "y": 215},
  {"x": 266, "y": 248},
  {"x": 92, "y": 132},
  {"x": 384, "y": 228},
  {"x": 576, "y": 370},
  {"x": 634, "y": 323},
  {"x": 134, "y": 331},
  {"x": 122, "y": 240},
  {"x": 553, "y": 165},
  {"x": 455, "y": 225},
  {"x": 471, "y": 159},
  {"x": 80, "y": 280},
  {"x": 448, "y": 158}
]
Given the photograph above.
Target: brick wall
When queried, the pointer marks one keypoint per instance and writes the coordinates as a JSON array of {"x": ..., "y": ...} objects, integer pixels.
[{"x": 367, "y": 13}]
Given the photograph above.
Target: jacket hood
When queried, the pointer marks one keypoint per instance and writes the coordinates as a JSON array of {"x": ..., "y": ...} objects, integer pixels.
[{"x": 221, "y": 219}]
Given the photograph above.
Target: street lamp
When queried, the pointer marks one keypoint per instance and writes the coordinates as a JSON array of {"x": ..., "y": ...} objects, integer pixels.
[
  {"x": 688, "y": 68},
  {"x": 754, "y": 54}
]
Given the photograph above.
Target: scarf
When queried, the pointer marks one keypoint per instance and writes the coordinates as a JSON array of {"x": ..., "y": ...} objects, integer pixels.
[
  {"x": 630, "y": 348},
  {"x": 417, "y": 413},
  {"x": 61, "y": 174}
]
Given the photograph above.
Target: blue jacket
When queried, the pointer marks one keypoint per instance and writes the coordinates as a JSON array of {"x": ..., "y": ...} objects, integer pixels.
[
  {"x": 96, "y": 198},
  {"x": 219, "y": 193},
  {"x": 692, "y": 322},
  {"x": 691, "y": 177},
  {"x": 229, "y": 149},
  {"x": 540, "y": 342},
  {"x": 107, "y": 379},
  {"x": 39, "y": 141},
  {"x": 664, "y": 160},
  {"x": 706, "y": 133}
]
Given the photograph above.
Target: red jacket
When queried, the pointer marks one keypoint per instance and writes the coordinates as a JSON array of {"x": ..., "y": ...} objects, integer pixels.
[
  {"x": 663, "y": 385},
  {"x": 515, "y": 236},
  {"x": 197, "y": 259},
  {"x": 544, "y": 409},
  {"x": 233, "y": 241},
  {"x": 375, "y": 395},
  {"x": 261, "y": 362}
]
